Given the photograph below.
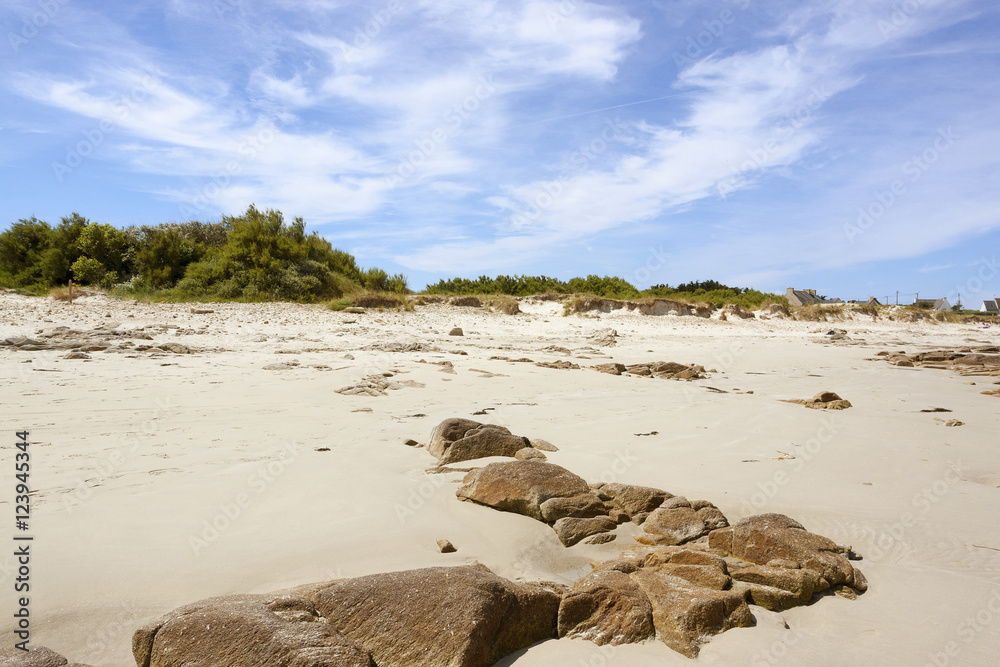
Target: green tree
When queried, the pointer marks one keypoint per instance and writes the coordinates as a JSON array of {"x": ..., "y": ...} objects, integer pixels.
[
  {"x": 63, "y": 251},
  {"x": 22, "y": 248}
]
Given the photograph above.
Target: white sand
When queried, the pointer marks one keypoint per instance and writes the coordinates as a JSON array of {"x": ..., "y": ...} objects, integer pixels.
[{"x": 132, "y": 459}]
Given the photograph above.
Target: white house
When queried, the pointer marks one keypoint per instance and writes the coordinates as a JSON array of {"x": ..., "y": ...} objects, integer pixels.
[
  {"x": 991, "y": 306},
  {"x": 933, "y": 304}
]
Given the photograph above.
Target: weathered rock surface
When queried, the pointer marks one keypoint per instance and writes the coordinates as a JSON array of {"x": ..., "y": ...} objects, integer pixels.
[
  {"x": 606, "y": 607},
  {"x": 38, "y": 656},
  {"x": 611, "y": 369},
  {"x": 984, "y": 361},
  {"x": 521, "y": 486},
  {"x": 635, "y": 501},
  {"x": 824, "y": 400},
  {"x": 776, "y": 588},
  {"x": 457, "y": 439},
  {"x": 245, "y": 631},
  {"x": 764, "y": 538},
  {"x": 454, "y": 617},
  {"x": 678, "y": 521},
  {"x": 686, "y": 615},
  {"x": 677, "y": 595},
  {"x": 572, "y": 530}
]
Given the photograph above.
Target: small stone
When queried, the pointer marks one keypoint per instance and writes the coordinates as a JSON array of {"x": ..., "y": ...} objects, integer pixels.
[
  {"x": 543, "y": 445},
  {"x": 954, "y": 422},
  {"x": 77, "y": 355},
  {"x": 410, "y": 442},
  {"x": 446, "y": 547},
  {"x": 528, "y": 453},
  {"x": 457, "y": 331}
]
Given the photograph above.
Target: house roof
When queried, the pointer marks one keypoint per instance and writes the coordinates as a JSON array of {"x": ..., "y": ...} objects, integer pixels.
[
  {"x": 806, "y": 298},
  {"x": 991, "y": 305}
]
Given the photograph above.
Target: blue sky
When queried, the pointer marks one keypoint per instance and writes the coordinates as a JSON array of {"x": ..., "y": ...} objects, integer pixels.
[{"x": 849, "y": 146}]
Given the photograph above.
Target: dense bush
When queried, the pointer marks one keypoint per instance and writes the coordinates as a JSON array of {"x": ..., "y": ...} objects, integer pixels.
[
  {"x": 255, "y": 256},
  {"x": 707, "y": 291}
]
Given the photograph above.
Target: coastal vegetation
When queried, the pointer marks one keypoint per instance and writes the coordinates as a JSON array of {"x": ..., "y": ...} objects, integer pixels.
[{"x": 256, "y": 256}]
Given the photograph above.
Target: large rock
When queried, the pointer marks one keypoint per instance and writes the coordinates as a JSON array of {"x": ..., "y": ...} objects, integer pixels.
[
  {"x": 455, "y": 440},
  {"x": 635, "y": 501},
  {"x": 582, "y": 506},
  {"x": 447, "y": 432},
  {"x": 245, "y": 631},
  {"x": 679, "y": 592},
  {"x": 776, "y": 588},
  {"x": 606, "y": 607},
  {"x": 452, "y": 617},
  {"x": 521, "y": 486},
  {"x": 38, "y": 656},
  {"x": 764, "y": 538},
  {"x": 571, "y": 530},
  {"x": 686, "y": 615},
  {"x": 678, "y": 521}
]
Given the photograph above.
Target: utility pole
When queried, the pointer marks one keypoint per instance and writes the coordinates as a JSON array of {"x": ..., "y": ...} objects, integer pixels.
[{"x": 897, "y": 297}]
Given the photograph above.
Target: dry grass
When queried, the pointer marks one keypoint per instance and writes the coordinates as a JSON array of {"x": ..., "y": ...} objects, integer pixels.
[
  {"x": 507, "y": 305},
  {"x": 370, "y": 299},
  {"x": 62, "y": 293},
  {"x": 817, "y": 313}
]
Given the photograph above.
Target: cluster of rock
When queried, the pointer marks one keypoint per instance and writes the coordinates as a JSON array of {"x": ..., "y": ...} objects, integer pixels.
[
  {"x": 561, "y": 364},
  {"x": 77, "y": 342},
  {"x": 467, "y": 616},
  {"x": 667, "y": 370},
  {"x": 692, "y": 580},
  {"x": 824, "y": 400},
  {"x": 966, "y": 361},
  {"x": 377, "y": 385},
  {"x": 578, "y": 511},
  {"x": 457, "y": 439},
  {"x": 457, "y": 616},
  {"x": 684, "y": 595}
]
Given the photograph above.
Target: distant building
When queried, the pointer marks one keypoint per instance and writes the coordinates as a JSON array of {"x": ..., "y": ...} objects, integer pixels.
[
  {"x": 806, "y": 297},
  {"x": 991, "y": 306},
  {"x": 872, "y": 301},
  {"x": 933, "y": 304}
]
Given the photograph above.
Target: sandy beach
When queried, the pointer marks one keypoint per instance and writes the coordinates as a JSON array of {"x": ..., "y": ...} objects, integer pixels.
[{"x": 165, "y": 478}]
